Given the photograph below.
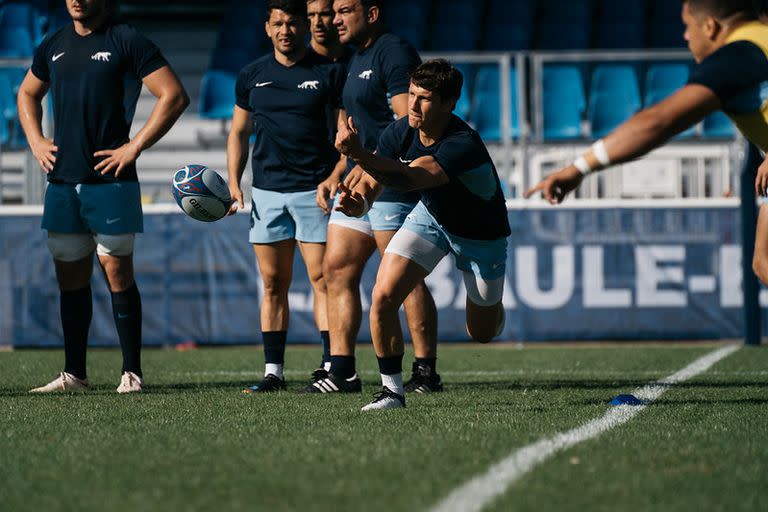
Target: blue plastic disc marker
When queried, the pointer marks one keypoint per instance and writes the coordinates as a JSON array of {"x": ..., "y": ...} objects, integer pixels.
[{"x": 626, "y": 400}]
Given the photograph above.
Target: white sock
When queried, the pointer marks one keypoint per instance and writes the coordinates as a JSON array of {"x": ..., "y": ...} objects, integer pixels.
[
  {"x": 327, "y": 366},
  {"x": 393, "y": 382},
  {"x": 274, "y": 369}
]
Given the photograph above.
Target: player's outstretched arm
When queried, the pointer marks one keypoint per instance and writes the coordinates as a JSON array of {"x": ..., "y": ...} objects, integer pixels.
[
  {"x": 237, "y": 154},
  {"x": 30, "y": 106},
  {"x": 172, "y": 100},
  {"x": 645, "y": 131},
  {"x": 422, "y": 173}
]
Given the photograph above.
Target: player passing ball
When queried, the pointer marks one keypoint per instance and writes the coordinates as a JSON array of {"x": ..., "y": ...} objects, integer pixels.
[
  {"x": 435, "y": 153},
  {"x": 730, "y": 46}
]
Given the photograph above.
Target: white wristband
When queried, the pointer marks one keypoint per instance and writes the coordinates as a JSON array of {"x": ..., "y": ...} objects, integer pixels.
[
  {"x": 582, "y": 165},
  {"x": 598, "y": 148},
  {"x": 366, "y": 207}
]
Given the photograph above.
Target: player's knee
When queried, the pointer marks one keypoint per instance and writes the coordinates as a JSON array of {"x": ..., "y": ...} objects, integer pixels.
[
  {"x": 115, "y": 245},
  {"x": 69, "y": 247},
  {"x": 383, "y": 300},
  {"x": 275, "y": 285}
]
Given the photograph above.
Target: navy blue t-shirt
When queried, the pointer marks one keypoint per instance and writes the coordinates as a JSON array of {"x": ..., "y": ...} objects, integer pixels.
[
  {"x": 289, "y": 108},
  {"x": 471, "y": 205},
  {"x": 375, "y": 74},
  {"x": 95, "y": 81},
  {"x": 738, "y": 74}
]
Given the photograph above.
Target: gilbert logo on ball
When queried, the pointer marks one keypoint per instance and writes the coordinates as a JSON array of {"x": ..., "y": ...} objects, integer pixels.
[{"x": 201, "y": 193}]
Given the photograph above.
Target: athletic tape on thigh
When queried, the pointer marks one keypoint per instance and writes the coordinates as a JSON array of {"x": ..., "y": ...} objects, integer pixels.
[
  {"x": 409, "y": 245},
  {"x": 70, "y": 246},
  {"x": 483, "y": 292},
  {"x": 115, "y": 245},
  {"x": 360, "y": 225}
]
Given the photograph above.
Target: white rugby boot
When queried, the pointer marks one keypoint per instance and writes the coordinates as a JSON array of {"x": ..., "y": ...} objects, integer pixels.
[
  {"x": 385, "y": 399},
  {"x": 63, "y": 382},
  {"x": 130, "y": 383}
]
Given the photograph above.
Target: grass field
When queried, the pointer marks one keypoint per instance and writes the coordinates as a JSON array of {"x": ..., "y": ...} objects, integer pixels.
[{"x": 192, "y": 441}]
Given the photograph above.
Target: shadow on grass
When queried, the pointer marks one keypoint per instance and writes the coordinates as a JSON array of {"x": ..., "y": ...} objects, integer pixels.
[{"x": 154, "y": 389}]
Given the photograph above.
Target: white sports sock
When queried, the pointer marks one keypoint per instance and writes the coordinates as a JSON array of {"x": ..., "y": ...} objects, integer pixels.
[
  {"x": 393, "y": 382},
  {"x": 274, "y": 369}
]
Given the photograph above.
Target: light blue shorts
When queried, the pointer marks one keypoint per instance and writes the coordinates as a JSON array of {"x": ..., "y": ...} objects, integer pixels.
[
  {"x": 105, "y": 208},
  {"x": 277, "y": 216},
  {"x": 485, "y": 259},
  {"x": 383, "y": 216}
]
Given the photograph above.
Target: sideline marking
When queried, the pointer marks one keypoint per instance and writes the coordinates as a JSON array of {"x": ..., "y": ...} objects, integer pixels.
[{"x": 481, "y": 490}]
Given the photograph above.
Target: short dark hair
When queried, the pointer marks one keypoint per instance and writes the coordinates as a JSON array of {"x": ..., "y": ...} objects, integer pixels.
[
  {"x": 367, "y": 4},
  {"x": 439, "y": 76},
  {"x": 722, "y": 9},
  {"x": 296, "y": 8}
]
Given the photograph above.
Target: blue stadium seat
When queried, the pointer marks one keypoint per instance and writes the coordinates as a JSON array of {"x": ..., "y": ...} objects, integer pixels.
[
  {"x": 456, "y": 26},
  {"x": 509, "y": 25},
  {"x": 614, "y": 96},
  {"x": 7, "y": 100},
  {"x": 230, "y": 59},
  {"x": 486, "y": 114},
  {"x": 663, "y": 79},
  {"x": 15, "y": 76},
  {"x": 5, "y": 133},
  {"x": 464, "y": 105},
  {"x": 406, "y": 19},
  {"x": 609, "y": 109},
  {"x": 719, "y": 126},
  {"x": 22, "y": 15},
  {"x": 217, "y": 94},
  {"x": 563, "y": 102},
  {"x": 613, "y": 77},
  {"x": 15, "y": 42}
]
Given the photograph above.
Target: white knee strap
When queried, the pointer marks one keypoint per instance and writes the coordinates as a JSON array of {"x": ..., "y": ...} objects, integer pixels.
[
  {"x": 115, "y": 245},
  {"x": 481, "y": 292},
  {"x": 70, "y": 246}
]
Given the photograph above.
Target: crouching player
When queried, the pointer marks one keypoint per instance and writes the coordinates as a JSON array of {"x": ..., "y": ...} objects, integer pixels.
[{"x": 461, "y": 211}]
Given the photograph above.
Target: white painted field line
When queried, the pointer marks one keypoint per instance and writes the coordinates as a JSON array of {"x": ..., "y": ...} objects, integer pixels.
[{"x": 480, "y": 491}]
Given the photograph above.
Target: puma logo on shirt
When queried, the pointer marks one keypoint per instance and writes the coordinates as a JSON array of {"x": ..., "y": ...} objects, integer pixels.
[
  {"x": 309, "y": 84},
  {"x": 101, "y": 56}
]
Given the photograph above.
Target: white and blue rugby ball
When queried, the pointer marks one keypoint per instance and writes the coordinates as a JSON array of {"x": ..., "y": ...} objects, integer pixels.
[{"x": 201, "y": 193}]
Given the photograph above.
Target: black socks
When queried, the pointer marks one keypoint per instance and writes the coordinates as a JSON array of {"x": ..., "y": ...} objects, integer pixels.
[
  {"x": 76, "y": 311},
  {"x": 126, "y": 308}
]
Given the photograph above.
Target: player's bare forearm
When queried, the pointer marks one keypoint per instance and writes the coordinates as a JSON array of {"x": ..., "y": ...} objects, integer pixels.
[
  {"x": 389, "y": 173},
  {"x": 237, "y": 156},
  {"x": 369, "y": 188},
  {"x": 30, "y": 106},
  {"x": 652, "y": 127},
  {"x": 165, "y": 114}
]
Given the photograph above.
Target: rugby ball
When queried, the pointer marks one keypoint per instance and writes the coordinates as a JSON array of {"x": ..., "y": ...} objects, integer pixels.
[{"x": 201, "y": 193}]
